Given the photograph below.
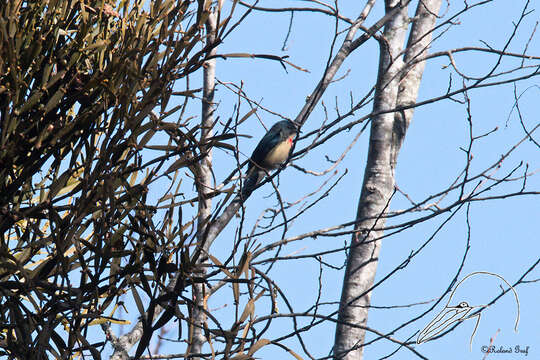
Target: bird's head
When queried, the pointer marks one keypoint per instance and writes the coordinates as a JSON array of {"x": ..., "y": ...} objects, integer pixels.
[{"x": 286, "y": 129}]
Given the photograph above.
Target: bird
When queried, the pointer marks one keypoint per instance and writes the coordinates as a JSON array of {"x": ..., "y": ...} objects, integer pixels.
[{"x": 271, "y": 152}]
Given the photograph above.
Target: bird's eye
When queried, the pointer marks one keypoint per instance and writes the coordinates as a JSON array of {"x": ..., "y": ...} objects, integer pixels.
[{"x": 463, "y": 304}]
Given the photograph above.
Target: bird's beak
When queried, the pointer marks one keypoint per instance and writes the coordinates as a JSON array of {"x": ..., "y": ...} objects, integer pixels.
[{"x": 446, "y": 318}]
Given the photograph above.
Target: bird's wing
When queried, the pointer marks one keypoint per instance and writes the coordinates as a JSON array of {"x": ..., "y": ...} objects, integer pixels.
[{"x": 267, "y": 143}]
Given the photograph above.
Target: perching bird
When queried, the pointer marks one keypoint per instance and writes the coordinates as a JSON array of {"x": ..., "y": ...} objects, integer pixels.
[{"x": 272, "y": 151}]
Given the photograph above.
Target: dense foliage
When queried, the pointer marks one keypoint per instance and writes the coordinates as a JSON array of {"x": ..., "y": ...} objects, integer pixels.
[{"x": 78, "y": 83}]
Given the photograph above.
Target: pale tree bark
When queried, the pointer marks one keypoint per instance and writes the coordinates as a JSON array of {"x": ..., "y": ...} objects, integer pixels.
[
  {"x": 396, "y": 85},
  {"x": 204, "y": 187},
  {"x": 203, "y": 171},
  {"x": 417, "y": 47}
]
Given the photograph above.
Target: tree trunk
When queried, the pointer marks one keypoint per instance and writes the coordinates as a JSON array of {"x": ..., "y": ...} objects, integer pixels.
[
  {"x": 204, "y": 186},
  {"x": 394, "y": 88}
]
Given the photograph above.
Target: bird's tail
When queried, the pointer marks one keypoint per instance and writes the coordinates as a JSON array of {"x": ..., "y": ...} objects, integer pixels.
[{"x": 254, "y": 176}]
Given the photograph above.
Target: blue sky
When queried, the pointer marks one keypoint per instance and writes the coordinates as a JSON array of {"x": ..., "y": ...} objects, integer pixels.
[{"x": 503, "y": 233}]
